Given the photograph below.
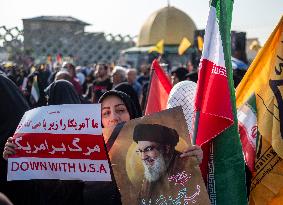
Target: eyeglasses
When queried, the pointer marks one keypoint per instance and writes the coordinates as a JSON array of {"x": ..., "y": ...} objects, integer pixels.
[{"x": 147, "y": 150}]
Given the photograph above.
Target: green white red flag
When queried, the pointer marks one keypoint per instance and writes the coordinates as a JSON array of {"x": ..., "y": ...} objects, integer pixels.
[
  {"x": 247, "y": 117},
  {"x": 216, "y": 126},
  {"x": 35, "y": 94}
]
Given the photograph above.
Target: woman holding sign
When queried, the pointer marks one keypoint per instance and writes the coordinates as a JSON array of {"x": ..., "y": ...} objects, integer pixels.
[
  {"x": 117, "y": 107},
  {"x": 47, "y": 192}
]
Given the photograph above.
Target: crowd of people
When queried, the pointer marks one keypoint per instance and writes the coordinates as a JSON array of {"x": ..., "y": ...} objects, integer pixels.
[
  {"x": 90, "y": 82},
  {"x": 122, "y": 94}
]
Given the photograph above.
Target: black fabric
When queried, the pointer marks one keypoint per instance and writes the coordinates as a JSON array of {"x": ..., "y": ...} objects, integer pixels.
[
  {"x": 180, "y": 73},
  {"x": 114, "y": 135},
  {"x": 125, "y": 98},
  {"x": 193, "y": 76},
  {"x": 12, "y": 107},
  {"x": 144, "y": 96},
  {"x": 62, "y": 92},
  {"x": 129, "y": 90},
  {"x": 58, "y": 192},
  {"x": 155, "y": 133},
  {"x": 238, "y": 76},
  {"x": 102, "y": 193}
]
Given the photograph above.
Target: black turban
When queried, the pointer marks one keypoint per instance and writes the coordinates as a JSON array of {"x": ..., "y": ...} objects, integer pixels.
[{"x": 155, "y": 133}]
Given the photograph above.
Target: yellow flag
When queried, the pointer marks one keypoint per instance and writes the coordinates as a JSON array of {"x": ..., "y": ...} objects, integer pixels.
[
  {"x": 200, "y": 43},
  {"x": 159, "y": 47},
  {"x": 184, "y": 45},
  {"x": 264, "y": 78}
]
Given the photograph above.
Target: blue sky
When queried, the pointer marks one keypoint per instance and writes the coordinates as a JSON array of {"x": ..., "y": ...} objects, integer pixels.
[{"x": 256, "y": 17}]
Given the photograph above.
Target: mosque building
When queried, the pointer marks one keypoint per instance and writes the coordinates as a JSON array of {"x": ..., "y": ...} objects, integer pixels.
[
  {"x": 168, "y": 24},
  {"x": 171, "y": 25}
]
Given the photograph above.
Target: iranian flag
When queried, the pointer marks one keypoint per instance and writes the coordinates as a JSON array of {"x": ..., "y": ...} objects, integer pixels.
[
  {"x": 247, "y": 117},
  {"x": 35, "y": 90},
  {"x": 216, "y": 126}
]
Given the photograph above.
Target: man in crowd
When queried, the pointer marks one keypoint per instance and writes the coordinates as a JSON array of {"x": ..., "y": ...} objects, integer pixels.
[
  {"x": 74, "y": 80},
  {"x": 63, "y": 75},
  {"x": 118, "y": 75},
  {"x": 131, "y": 78},
  {"x": 144, "y": 75},
  {"x": 102, "y": 82}
]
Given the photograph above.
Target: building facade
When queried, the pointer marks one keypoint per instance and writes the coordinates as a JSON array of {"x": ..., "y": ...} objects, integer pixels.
[{"x": 65, "y": 35}]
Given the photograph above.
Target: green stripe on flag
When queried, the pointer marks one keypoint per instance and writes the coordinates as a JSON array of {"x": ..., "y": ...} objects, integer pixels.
[
  {"x": 35, "y": 90},
  {"x": 228, "y": 158}
]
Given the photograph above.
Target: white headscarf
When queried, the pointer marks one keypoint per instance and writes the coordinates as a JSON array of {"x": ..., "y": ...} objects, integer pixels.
[{"x": 183, "y": 94}]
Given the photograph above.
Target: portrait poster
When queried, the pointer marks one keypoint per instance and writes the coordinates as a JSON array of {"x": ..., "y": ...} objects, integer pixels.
[
  {"x": 60, "y": 142},
  {"x": 135, "y": 160}
]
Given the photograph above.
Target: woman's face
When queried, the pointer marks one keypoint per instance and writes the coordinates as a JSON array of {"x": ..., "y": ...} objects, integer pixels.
[{"x": 113, "y": 111}]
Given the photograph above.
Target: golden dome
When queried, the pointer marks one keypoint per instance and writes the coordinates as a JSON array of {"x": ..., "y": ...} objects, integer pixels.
[{"x": 169, "y": 24}]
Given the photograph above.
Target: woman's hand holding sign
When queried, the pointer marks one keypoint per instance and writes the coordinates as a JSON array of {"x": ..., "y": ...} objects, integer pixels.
[{"x": 10, "y": 148}]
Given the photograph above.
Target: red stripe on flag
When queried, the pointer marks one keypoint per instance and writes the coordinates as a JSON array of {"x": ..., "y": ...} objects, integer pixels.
[
  {"x": 213, "y": 103},
  {"x": 249, "y": 151},
  {"x": 162, "y": 76},
  {"x": 159, "y": 90},
  {"x": 73, "y": 146}
]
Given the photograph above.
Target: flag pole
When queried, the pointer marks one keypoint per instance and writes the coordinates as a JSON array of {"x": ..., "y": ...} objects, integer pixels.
[
  {"x": 195, "y": 132},
  {"x": 148, "y": 87}
]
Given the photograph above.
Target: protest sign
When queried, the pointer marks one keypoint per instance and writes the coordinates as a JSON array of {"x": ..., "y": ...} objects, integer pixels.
[
  {"x": 60, "y": 142},
  {"x": 146, "y": 161}
]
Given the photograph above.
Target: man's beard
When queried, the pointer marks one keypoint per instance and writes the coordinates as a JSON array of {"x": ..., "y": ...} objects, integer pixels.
[{"x": 154, "y": 172}]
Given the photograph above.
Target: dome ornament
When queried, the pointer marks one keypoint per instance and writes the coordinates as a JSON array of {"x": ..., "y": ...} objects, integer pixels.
[{"x": 168, "y": 23}]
